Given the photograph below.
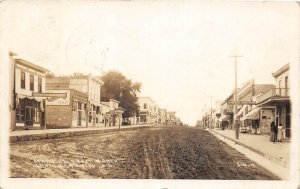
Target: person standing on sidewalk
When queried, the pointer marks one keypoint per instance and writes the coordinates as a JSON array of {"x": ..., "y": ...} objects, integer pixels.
[
  {"x": 279, "y": 134},
  {"x": 275, "y": 133}
]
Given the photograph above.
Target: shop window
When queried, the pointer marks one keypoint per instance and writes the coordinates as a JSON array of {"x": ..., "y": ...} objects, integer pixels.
[
  {"x": 23, "y": 80},
  {"x": 40, "y": 85},
  {"x": 31, "y": 82},
  {"x": 20, "y": 111}
]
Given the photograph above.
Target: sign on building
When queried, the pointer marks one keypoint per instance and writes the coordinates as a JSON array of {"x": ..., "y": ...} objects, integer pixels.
[{"x": 57, "y": 97}]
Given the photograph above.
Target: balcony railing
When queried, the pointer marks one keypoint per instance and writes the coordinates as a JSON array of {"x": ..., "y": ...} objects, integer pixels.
[{"x": 280, "y": 92}]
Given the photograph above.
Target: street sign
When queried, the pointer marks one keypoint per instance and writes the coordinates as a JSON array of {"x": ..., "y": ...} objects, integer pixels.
[
  {"x": 242, "y": 102},
  {"x": 57, "y": 95}
]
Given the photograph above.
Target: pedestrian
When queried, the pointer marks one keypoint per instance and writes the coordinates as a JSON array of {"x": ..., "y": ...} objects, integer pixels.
[
  {"x": 280, "y": 134},
  {"x": 272, "y": 130},
  {"x": 275, "y": 132}
]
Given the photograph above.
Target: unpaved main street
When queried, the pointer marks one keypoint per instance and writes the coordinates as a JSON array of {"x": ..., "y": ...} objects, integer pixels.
[{"x": 158, "y": 153}]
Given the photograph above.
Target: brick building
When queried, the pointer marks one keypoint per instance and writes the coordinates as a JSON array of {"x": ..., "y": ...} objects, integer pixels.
[
  {"x": 68, "y": 111},
  {"x": 87, "y": 84}
]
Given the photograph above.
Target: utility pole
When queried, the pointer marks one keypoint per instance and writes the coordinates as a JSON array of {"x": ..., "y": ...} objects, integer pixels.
[
  {"x": 235, "y": 119},
  {"x": 210, "y": 112}
]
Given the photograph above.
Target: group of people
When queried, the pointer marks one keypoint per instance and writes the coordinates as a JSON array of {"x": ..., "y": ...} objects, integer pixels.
[{"x": 276, "y": 132}]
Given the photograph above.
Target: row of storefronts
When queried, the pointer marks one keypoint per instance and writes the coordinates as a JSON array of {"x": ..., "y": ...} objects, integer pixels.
[
  {"x": 41, "y": 101},
  {"x": 258, "y": 105},
  {"x": 150, "y": 113}
]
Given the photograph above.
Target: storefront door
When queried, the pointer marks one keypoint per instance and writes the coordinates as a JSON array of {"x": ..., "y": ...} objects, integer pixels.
[{"x": 29, "y": 115}]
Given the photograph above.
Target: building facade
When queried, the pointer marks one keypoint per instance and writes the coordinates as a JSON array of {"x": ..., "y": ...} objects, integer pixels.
[
  {"x": 66, "y": 112},
  {"x": 279, "y": 97},
  {"x": 171, "y": 118},
  {"x": 28, "y": 110},
  {"x": 112, "y": 113},
  {"x": 252, "y": 118},
  {"x": 162, "y": 116},
  {"x": 87, "y": 84},
  {"x": 227, "y": 112},
  {"x": 147, "y": 110}
]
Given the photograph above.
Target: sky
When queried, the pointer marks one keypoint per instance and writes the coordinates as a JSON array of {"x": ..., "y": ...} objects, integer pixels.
[{"x": 178, "y": 50}]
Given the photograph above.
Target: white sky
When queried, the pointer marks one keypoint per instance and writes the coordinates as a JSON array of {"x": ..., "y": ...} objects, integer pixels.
[{"x": 178, "y": 50}]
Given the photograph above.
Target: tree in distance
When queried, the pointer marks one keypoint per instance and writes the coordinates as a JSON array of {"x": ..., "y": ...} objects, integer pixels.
[{"x": 118, "y": 87}]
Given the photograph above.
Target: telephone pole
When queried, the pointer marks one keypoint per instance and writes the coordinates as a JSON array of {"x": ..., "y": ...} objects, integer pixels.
[
  {"x": 210, "y": 121},
  {"x": 235, "y": 119}
]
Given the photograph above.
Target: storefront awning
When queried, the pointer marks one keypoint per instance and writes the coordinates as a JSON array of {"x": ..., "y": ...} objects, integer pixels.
[
  {"x": 242, "y": 110},
  {"x": 223, "y": 118},
  {"x": 38, "y": 99},
  {"x": 253, "y": 115}
]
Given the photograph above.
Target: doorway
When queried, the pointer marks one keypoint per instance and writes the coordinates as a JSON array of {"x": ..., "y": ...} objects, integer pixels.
[{"x": 29, "y": 115}]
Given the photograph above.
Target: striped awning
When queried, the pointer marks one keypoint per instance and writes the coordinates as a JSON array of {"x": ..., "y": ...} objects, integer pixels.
[
  {"x": 242, "y": 110},
  {"x": 223, "y": 118},
  {"x": 253, "y": 115}
]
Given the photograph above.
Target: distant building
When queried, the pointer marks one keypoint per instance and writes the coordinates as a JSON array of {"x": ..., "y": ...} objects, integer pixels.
[
  {"x": 156, "y": 116},
  {"x": 113, "y": 117},
  {"x": 28, "y": 110},
  {"x": 227, "y": 112},
  {"x": 147, "y": 110},
  {"x": 105, "y": 113},
  {"x": 162, "y": 116},
  {"x": 172, "y": 118}
]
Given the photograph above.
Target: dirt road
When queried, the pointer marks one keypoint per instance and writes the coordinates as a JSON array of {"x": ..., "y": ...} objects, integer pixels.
[{"x": 150, "y": 153}]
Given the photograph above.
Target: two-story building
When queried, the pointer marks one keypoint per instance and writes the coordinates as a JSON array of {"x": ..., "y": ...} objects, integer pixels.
[
  {"x": 279, "y": 97},
  {"x": 67, "y": 107},
  {"x": 112, "y": 113},
  {"x": 227, "y": 112},
  {"x": 28, "y": 111},
  {"x": 252, "y": 117},
  {"x": 87, "y": 84},
  {"x": 147, "y": 111}
]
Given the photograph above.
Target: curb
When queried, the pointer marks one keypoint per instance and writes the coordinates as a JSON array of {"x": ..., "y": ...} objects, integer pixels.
[
  {"x": 267, "y": 156},
  {"x": 65, "y": 134}
]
